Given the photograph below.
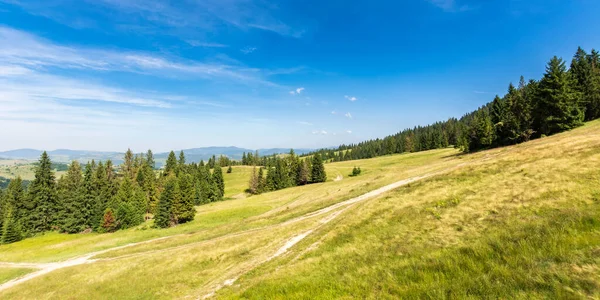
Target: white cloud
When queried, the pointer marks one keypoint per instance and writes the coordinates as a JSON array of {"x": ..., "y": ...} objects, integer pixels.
[
  {"x": 248, "y": 50},
  {"x": 348, "y": 115},
  {"x": 351, "y": 98},
  {"x": 196, "y": 43},
  {"x": 319, "y": 132},
  {"x": 334, "y": 112},
  {"x": 349, "y": 131},
  {"x": 450, "y": 5},
  {"x": 305, "y": 123},
  {"x": 297, "y": 91},
  {"x": 22, "y": 49}
]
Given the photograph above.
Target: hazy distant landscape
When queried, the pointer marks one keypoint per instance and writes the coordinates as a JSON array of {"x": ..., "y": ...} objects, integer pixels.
[{"x": 426, "y": 149}]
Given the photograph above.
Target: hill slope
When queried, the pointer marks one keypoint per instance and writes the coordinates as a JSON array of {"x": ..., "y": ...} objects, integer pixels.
[{"x": 520, "y": 221}]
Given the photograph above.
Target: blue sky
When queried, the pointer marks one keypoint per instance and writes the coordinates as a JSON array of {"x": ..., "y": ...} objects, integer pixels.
[{"x": 113, "y": 74}]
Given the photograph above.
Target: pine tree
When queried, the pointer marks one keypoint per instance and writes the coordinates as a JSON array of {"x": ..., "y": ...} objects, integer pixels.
[
  {"x": 303, "y": 173},
  {"x": 150, "y": 159},
  {"x": 109, "y": 222},
  {"x": 181, "y": 161},
  {"x": 558, "y": 104},
  {"x": 318, "y": 169},
  {"x": 253, "y": 183},
  {"x": 71, "y": 213},
  {"x": 592, "y": 93},
  {"x": 90, "y": 195},
  {"x": 170, "y": 194},
  {"x": 260, "y": 181},
  {"x": 183, "y": 206},
  {"x": 171, "y": 166},
  {"x": 128, "y": 205},
  {"x": 11, "y": 231},
  {"x": 15, "y": 198},
  {"x": 43, "y": 201},
  {"x": 127, "y": 167},
  {"x": 219, "y": 181},
  {"x": 480, "y": 133}
]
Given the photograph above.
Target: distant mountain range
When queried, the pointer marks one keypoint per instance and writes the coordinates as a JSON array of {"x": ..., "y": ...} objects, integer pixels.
[{"x": 192, "y": 155}]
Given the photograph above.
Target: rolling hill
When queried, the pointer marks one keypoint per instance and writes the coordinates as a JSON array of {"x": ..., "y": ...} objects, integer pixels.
[
  {"x": 192, "y": 155},
  {"x": 513, "y": 222}
]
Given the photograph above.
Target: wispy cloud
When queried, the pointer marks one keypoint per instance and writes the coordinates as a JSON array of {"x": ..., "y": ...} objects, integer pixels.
[
  {"x": 196, "y": 43},
  {"x": 348, "y": 115},
  {"x": 35, "y": 86},
  {"x": 351, "y": 98},
  {"x": 23, "y": 49},
  {"x": 349, "y": 131},
  {"x": 297, "y": 91},
  {"x": 334, "y": 112},
  {"x": 305, "y": 123},
  {"x": 319, "y": 132},
  {"x": 248, "y": 50},
  {"x": 481, "y": 92},
  {"x": 450, "y": 5},
  {"x": 167, "y": 17}
]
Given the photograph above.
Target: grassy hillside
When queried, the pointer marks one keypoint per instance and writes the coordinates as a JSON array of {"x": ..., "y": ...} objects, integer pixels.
[{"x": 516, "y": 222}]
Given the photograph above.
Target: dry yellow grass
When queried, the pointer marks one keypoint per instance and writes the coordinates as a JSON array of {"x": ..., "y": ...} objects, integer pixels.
[{"x": 374, "y": 248}]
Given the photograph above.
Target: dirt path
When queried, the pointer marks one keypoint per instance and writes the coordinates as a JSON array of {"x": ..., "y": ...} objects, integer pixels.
[
  {"x": 45, "y": 268},
  {"x": 344, "y": 205}
]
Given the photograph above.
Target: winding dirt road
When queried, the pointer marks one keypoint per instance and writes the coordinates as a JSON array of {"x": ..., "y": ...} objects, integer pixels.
[{"x": 45, "y": 268}]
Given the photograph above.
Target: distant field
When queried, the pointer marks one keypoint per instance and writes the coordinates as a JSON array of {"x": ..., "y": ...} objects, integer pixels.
[{"x": 514, "y": 222}]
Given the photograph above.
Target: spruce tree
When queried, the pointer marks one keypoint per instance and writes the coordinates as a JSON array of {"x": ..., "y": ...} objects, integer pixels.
[
  {"x": 164, "y": 218},
  {"x": 150, "y": 159},
  {"x": 43, "y": 202},
  {"x": 592, "y": 93},
  {"x": 181, "y": 161},
  {"x": 90, "y": 195},
  {"x": 71, "y": 213},
  {"x": 127, "y": 167},
  {"x": 219, "y": 181},
  {"x": 253, "y": 183},
  {"x": 318, "y": 169},
  {"x": 15, "y": 198},
  {"x": 11, "y": 231},
  {"x": 109, "y": 222},
  {"x": 558, "y": 104},
  {"x": 183, "y": 206},
  {"x": 171, "y": 165},
  {"x": 302, "y": 173},
  {"x": 260, "y": 181},
  {"x": 128, "y": 205}
]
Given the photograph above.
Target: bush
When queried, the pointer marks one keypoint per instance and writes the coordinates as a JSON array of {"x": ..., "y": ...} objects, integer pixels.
[
  {"x": 355, "y": 171},
  {"x": 229, "y": 170}
]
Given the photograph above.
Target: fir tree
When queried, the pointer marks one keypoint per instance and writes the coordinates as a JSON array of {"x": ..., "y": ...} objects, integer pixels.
[
  {"x": 318, "y": 169},
  {"x": 558, "y": 104},
  {"x": 71, "y": 213},
  {"x": 127, "y": 167},
  {"x": 170, "y": 194},
  {"x": 43, "y": 202},
  {"x": 253, "y": 183},
  {"x": 11, "y": 231},
  {"x": 302, "y": 173},
  {"x": 150, "y": 159},
  {"x": 219, "y": 181},
  {"x": 260, "y": 181},
  {"x": 171, "y": 166},
  {"x": 109, "y": 222},
  {"x": 183, "y": 206}
]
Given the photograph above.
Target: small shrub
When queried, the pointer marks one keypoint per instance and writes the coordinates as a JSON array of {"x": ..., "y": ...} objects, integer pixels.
[
  {"x": 355, "y": 171},
  {"x": 229, "y": 170}
]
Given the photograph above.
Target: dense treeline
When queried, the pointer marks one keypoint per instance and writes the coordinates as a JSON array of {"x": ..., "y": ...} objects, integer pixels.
[
  {"x": 563, "y": 99},
  {"x": 284, "y": 172},
  {"x": 98, "y": 197}
]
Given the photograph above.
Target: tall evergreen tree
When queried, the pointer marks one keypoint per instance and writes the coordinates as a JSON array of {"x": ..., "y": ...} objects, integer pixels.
[
  {"x": 558, "y": 106},
  {"x": 11, "y": 231},
  {"x": 302, "y": 173},
  {"x": 318, "y": 169},
  {"x": 219, "y": 181},
  {"x": 183, "y": 206},
  {"x": 170, "y": 194},
  {"x": 43, "y": 201},
  {"x": 71, "y": 213},
  {"x": 127, "y": 168},
  {"x": 171, "y": 165},
  {"x": 150, "y": 159}
]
